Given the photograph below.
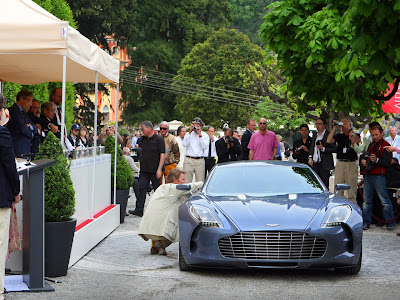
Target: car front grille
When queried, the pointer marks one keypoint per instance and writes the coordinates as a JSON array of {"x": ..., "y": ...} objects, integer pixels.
[{"x": 272, "y": 245}]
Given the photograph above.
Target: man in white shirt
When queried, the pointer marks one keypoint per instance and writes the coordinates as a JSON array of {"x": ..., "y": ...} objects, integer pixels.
[
  {"x": 394, "y": 140},
  {"x": 210, "y": 153},
  {"x": 196, "y": 142},
  {"x": 182, "y": 150}
]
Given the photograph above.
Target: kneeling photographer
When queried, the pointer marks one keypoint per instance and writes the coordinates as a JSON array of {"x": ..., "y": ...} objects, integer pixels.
[
  {"x": 374, "y": 164},
  {"x": 228, "y": 147}
]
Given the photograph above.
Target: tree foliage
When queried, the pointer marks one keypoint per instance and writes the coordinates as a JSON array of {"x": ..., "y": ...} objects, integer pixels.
[
  {"x": 247, "y": 16},
  {"x": 167, "y": 32},
  {"x": 98, "y": 18},
  {"x": 336, "y": 53},
  {"x": 229, "y": 64},
  {"x": 59, "y": 193}
]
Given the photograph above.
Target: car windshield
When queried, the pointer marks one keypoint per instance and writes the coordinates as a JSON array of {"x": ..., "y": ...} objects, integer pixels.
[{"x": 261, "y": 181}]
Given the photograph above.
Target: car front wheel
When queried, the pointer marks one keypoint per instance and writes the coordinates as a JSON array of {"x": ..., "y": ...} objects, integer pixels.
[{"x": 183, "y": 266}]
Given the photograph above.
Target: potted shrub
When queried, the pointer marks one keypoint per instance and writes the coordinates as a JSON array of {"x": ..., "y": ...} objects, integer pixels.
[
  {"x": 124, "y": 176},
  {"x": 59, "y": 207}
]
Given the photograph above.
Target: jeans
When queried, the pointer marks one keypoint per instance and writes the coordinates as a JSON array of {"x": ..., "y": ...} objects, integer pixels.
[
  {"x": 144, "y": 181},
  {"x": 377, "y": 183}
]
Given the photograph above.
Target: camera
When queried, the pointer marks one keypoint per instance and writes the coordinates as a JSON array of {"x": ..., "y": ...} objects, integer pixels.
[
  {"x": 195, "y": 127},
  {"x": 337, "y": 123},
  {"x": 318, "y": 143},
  {"x": 299, "y": 149},
  {"x": 370, "y": 163},
  {"x": 229, "y": 139}
]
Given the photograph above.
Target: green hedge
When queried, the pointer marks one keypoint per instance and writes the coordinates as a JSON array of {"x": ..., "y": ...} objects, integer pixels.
[
  {"x": 124, "y": 172},
  {"x": 59, "y": 193}
]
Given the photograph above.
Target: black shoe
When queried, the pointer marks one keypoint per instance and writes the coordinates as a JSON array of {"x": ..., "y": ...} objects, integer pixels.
[
  {"x": 126, "y": 214},
  {"x": 136, "y": 213},
  {"x": 365, "y": 227}
]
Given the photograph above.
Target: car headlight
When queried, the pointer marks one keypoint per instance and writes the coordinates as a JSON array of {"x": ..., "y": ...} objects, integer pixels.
[
  {"x": 336, "y": 216},
  {"x": 205, "y": 216}
]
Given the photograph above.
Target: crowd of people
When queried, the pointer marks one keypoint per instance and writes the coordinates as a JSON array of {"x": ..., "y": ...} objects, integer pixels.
[{"x": 193, "y": 153}]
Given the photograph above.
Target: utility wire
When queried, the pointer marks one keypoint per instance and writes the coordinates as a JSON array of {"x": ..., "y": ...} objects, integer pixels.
[
  {"x": 159, "y": 82},
  {"x": 173, "y": 75},
  {"x": 195, "y": 91},
  {"x": 184, "y": 92},
  {"x": 191, "y": 85},
  {"x": 156, "y": 85}
]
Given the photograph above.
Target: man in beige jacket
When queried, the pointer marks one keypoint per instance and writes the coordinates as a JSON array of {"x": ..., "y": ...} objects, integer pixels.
[{"x": 160, "y": 220}]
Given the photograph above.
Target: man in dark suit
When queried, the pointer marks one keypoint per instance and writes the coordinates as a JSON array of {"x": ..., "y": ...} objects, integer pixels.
[
  {"x": 34, "y": 114},
  {"x": 251, "y": 127},
  {"x": 9, "y": 183},
  {"x": 320, "y": 158},
  {"x": 56, "y": 98},
  {"x": 48, "y": 111},
  {"x": 20, "y": 126},
  {"x": 228, "y": 147}
]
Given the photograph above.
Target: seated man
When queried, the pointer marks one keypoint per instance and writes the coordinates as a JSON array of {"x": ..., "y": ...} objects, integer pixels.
[
  {"x": 48, "y": 112},
  {"x": 134, "y": 169},
  {"x": 73, "y": 141},
  {"x": 160, "y": 220}
]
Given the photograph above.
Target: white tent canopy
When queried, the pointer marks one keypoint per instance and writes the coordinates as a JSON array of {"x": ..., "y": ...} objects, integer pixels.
[
  {"x": 33, "y": 43},
  {"x": 37, "y": 47}
]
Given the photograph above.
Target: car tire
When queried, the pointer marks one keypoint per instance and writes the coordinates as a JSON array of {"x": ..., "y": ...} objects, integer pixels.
[
  {"x": 183, "y": 266},
  {"x": 353, "y": 270}
]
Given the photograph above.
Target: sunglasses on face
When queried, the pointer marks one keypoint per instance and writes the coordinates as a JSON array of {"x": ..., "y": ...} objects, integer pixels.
[
  {"x": 262, "y": 123},
  {"x": 163, "y": 128}
]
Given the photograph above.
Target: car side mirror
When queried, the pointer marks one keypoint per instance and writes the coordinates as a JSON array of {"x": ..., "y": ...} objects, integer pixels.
[
  {"x": 341, "y": 187},
  {"x": 183, "y": 187}
]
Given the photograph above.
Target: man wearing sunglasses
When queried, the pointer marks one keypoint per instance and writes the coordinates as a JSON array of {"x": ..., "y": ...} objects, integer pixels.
[
  {"x": 263, "y": 144},
  {"x": 172, "y": 153}
]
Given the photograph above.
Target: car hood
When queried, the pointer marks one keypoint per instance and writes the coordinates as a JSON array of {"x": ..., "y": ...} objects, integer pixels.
[{"x": 283, "y": 212}]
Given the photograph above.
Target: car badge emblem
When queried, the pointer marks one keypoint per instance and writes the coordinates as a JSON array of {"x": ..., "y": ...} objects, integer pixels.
[{"x": 272, "y": 225}]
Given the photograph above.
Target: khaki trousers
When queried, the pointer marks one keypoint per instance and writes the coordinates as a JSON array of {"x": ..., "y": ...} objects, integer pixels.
[
  {"x": 194, "y": 166},
  {"x": 4, "y": 228},
  {"x": 347, "y": 172}
]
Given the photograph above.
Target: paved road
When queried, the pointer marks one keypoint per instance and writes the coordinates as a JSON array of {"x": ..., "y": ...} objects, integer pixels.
[{"x": 121, "y": 267}]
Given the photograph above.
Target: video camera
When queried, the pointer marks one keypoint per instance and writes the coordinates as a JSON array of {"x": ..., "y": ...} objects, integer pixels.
[{"x": 337, "y": 123}]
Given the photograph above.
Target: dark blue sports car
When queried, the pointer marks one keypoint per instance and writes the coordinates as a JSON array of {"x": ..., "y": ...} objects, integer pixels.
[{"x": 269, "y": 214}]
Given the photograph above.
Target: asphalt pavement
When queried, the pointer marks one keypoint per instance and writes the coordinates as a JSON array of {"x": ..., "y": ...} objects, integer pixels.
[{"x": 121, "y": 267}]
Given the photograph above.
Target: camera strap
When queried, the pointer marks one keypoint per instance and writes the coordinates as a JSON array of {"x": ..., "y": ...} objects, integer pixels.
[{"x": 374, "y": 148}]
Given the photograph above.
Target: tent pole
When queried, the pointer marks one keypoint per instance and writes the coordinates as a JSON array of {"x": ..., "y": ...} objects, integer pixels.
[
  {"x": 116, "y": 142},
  {"x": 1, "y": 86},
  {"x": 64, "y": 80},
  {"x": 96, "y": 96}
]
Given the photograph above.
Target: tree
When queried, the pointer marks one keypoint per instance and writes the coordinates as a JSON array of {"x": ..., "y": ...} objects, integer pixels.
[
  {"x": 167, "y": 32},
  {"x": 99, "y": 18},
  {"x": 248, "y": 15},
  {"x": 339, "y": 54},
  {"x": 234, "y": 75},
  {"x": 84, "y": 113}
]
